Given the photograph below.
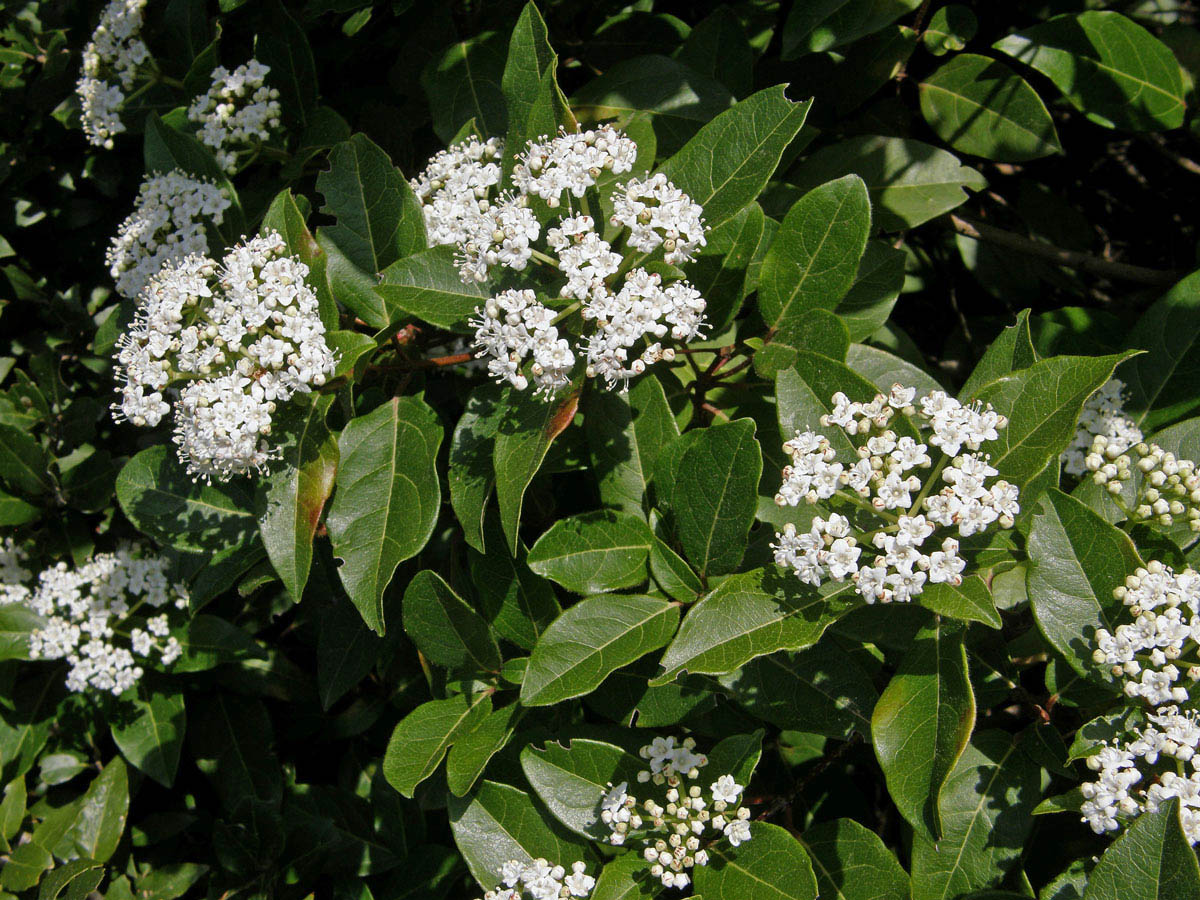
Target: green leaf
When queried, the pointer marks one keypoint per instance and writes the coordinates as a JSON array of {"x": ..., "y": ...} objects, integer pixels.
[
  {"x": 980, "y": 106},
  {"x": 883, "y": 369},
  {"x": 444, "y": 628},
  {"x": 354, "y": 287},
  {"x": 625, "y": 433},
  {"x": 230, "y": 739},
  {"x": 470, "y": 754},
  {"x": 987, "y": 814},
  {"x": 470, "y": 476},
  {"x": 24, "y": 465},
  {"x": 970, "y": 601},
  {"x": 17, "y": 621},
  {"x": 750, "y": 614},
  {"x": 623, "y": 878},
  {"x": 672, "y": 573},
  {"x": 1152, "y": 859},
  {"x": 717, "y": 46},
  {"x": 678, "y": 99},
  {"x": 166, "y": 149},
  {"x": 423, "y": 736},
  {"x": 1010, "y": 351},
  {"x": 26, "y": 717},
  {"x": 387, "y": 498},
  {"x": 535, "y": 103},
  {"x": 464, "y": 83},
  {"x": 518, "y": 604},
  {"x": 572, "y": 780},
  {"x": 852, "y": 863},
  {"x": 150, "y": 734},
  {"x": 721, "y": 270},
  {"x": 949, "y": 28},
  {"x": 1164, "y": 384},
  {"x": 379, "y": 218},
  {"x": 427, "y": 286},
  {"x": 909, "y": 182},
  {"x": 78, "y": 878},
  {"x": 877, "y": 285},
  {"x": 91, "y": 826},
  {"x": 592, "y": 639},
  {"x": 772, "y": 865},
  {"x": 164, "y": 503},
  {"x": 823, "y": 24},
  {"x": 208, "y": 641},
  {"x": 291, "y": 499},
  {"x": 737, "y": 755},
  {"x": 1042, "y": 403},
  {"x": 25, "y": 867},
  {"x": 715, "y": 496},
  {"x": 813, "y": 259},
  {"x": 594, "y": 552},
  {"x": 1110, "y": 68},
  {"x": 346, "y": 648},
  {"x": 922, "y": 722},
  {"x": 1076, "y": 559},
  {"x": 15, "y": 511},
  {"x": 819, "y": 690},
  {"x": 498, "y": 823},
  {"x": 729, "y": 161},
  {"x": 527, "y": 429}
]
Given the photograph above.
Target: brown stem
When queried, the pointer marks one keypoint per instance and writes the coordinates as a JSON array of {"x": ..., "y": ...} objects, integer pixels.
[
  {"x": 713, "y": 411},
  {"x": 406, "y": 365},
  {"x": 1072, "y": 259}
]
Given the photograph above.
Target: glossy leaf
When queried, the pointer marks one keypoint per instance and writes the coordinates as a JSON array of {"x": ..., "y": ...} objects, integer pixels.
[
  {"x": 470, "y": 754},
  {"x": 464, "y": 83},
  {"x": 427, "y": 286},
  {"x": 572, "y": 780},
  {"x": 922, "y": 722},
  {"x": 593, "y": 552},
  {"x": 420, "y": 741},
  {"x": 592, "y": 639},
  {"x": 772, "y": 865},
  {"x": 980, "y": 106},
  {"x": 444, "y": 627},
  {"x": 1152, "y": 859},
  {"x": 151, "y": 737},
  {"x": 387, "y": 498},
  {"x": 1164, "y": 383},
  {"x": 852, "y": 863}
]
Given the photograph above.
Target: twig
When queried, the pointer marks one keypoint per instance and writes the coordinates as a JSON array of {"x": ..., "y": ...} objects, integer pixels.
[
  {"x": 1159, "y": 143},
  {"x": 434, "y": 362},
  {"x": 1072, "y": 259},
  {"x": 713, "y": 411},
  {"x": 785, "y": 800}
]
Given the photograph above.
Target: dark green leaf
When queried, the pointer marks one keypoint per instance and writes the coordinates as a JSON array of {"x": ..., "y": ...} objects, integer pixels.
[
  {"x": 1164, "y": 384},
  {"x": 464, "y": 83},
  {"x": 470, "y": 754},
  {"x": 1152, "y": 860},
  {"x": 851, "y": 863},
  {"x": 592, "y": 639},
  {"x": 922, "y": 722},
  {"x": 518, "y": 604},
  {"x": 387, "y": 498},
  {"x": 24, "y": 465},
  {"x": 772, "y": 865},
  {"x": 425, "y": 734},
  {"x": 594, "y": 552},
  {"x": 572, "y": 780},
  {"x": 427, "y": 286},
  {"x": 970, "y": 601},
  {"x": 149, "y": 732},
  {"x": 447, "y": 630}
]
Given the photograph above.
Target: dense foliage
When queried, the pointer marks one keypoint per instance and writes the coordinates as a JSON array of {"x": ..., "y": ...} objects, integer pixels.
[{"x": 469, "y": 449}]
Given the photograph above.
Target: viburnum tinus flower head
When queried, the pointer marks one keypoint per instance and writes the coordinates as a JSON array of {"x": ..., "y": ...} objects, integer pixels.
[
  {"x": 679, "y": 817},
  {"x": 104, "y": 617},
  {"x": 540, "y": 879},
  {"x": 237, "y": 113},
  {"x": 591, "y": 302},
  {"x": 111, "y": 62},
  {"x": 169, "y": 221},
  {"x": 225, "y": 342},
  {"x": 1103, "y": 414},
  {"x": 908, "y": 512},
  {"x": 1156, "y": 759},
  {"x": 1166, "y": 487}
]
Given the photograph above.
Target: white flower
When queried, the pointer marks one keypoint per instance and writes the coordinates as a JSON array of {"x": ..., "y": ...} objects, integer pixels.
[
  {"x": 738, "y": 831},
  {"x": 659, "y": 214},
  {"x": 237, "y": 113},
  {"x": 86, "y": 610},
  {"x": 1103, "y": 414},
  {"x": 725, "y": 789},
  {"x": 884, "y": 476},
  {"x": 167, "y": 224},
  {"x": 111, "y": 62},
  {"x": 253, "y": 338}
]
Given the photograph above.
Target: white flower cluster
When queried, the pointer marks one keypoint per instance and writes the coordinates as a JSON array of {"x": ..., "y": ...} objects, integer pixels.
[
  {"x": 13, "y": 573},
  {"x": 238, "y": 112},
  {"x": 672, "y": 832},
  {"x": 168, "y": 222},
  {"x": 459, "y": 192},
  {"x": 1158, "y": 753},
  {"x": 539, "y": 880},
  {"x": 1165, "y": 629},
  {"x": 1164, "y": 604},
  {"x": 232, "y": 340},
  {"x": 1103, "y": 414},
  {"x": 1169, "y": 487},
  {"x": 456, "y": 188},
  {"x": 86, "y": 612},
  {"x": 110, "y": 67},
  {"x": 883, "y": 481}
]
